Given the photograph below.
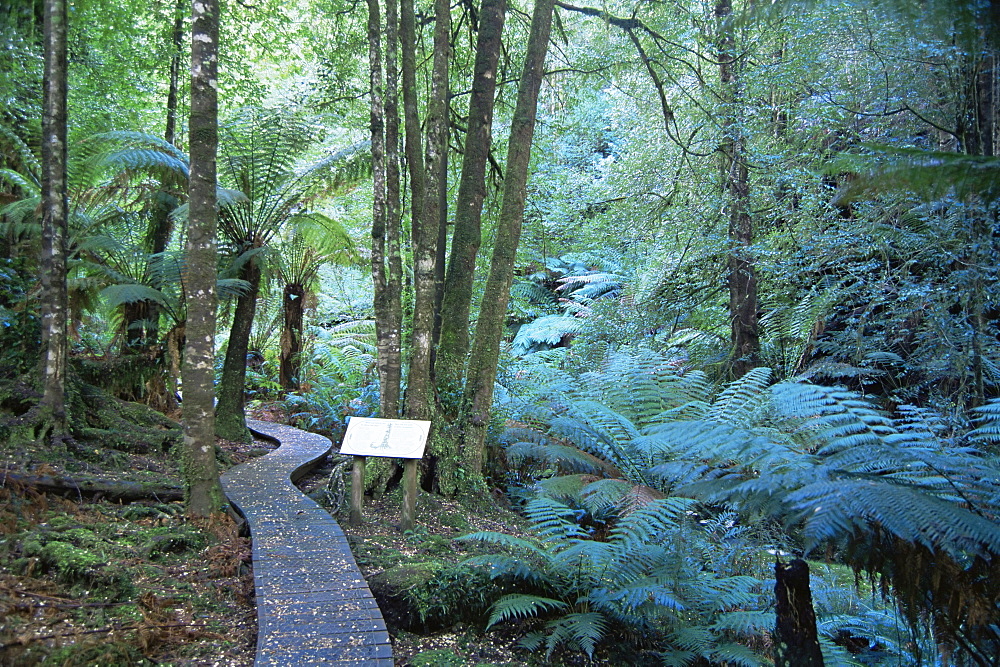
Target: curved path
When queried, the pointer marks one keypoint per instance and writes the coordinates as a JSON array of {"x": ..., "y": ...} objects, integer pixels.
[{"x": 313, "y": 605}]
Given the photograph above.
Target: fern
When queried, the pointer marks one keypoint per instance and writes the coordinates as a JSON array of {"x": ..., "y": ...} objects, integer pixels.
[{"x": 522, "y": 606}]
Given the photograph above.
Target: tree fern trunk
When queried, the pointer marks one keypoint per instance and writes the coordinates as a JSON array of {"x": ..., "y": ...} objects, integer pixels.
[
  {"x": 230, "y": 419},
  {"x": 292, "y": 310},
  {"x": 797, "y": 644},
  {"x": 493, "y": 313}
]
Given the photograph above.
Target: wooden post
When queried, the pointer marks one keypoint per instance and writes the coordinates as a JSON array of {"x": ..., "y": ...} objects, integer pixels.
[
  {"x": 357, "y": 489},
  {"x": 409, "y": 494}
]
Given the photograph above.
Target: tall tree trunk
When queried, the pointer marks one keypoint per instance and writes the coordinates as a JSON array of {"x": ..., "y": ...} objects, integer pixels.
[
  {"x": 385, "y": 209},
  {"x": 977, "y": 135},
  {"x": 457, "y": 303},
  {"x": 290, "y": 361},
  {"x": 742, "y": 273},
  {"x": 493, "y": 313},
  {"x": 426, "y": 225},
  {"x": 201, "y": 477},
  {"x": 797, "y": 641},
  {"x": 55, "y": 214},
  {"x": 412, "y": 143},
  {"x": 230, "y": 416},
  {"x": 390, "y": 376}
]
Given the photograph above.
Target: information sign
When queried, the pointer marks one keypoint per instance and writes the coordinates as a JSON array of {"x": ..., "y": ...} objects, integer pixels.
[{"x": 393, "y": 438}]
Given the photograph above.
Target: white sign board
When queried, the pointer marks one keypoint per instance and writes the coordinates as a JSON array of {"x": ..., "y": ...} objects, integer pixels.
[{"x": 393, "y": 438}]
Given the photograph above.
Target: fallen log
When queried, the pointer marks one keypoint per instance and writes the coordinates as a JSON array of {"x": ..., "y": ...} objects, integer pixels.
[{"x": 90, "y": 487}]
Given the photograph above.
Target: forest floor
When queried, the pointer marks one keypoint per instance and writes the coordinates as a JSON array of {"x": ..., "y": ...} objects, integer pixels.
[{"x": 90, "y": 582}]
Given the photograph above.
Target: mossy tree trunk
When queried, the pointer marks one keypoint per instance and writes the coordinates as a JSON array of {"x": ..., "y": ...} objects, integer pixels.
[
  {"x": 426, "y": 224},
  {"x": 201, "y": 478},
  {"x": 453, "y": 346},
  {"x": 385, "y": 210},
  {"x": 741, "y": 269},
  {"x": 976, "y": 131},
  {"x": 492, "y": 317},
  {"x": 54, "y": 303}
]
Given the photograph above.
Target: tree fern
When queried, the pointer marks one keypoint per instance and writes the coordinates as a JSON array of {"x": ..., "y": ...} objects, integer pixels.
[{"x": 522, "y": 606}]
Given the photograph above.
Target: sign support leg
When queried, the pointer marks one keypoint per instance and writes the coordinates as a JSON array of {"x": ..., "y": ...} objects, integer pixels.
[
  {"x": 409, "y": 494},
  {"x": 357, "y": 489}
]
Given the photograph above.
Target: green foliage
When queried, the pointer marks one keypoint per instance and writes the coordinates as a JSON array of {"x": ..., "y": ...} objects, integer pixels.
[
  {"x": 554, "y": 301},
  {"x": 647, "y": 579},
  {"x": 338, "y": 377},
  {"x": 20, "y": 328},
  {"x": 888, "y": 495}
]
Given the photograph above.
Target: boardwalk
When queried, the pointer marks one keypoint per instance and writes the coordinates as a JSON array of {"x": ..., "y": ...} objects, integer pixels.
[{"x": 313, "y": 605}]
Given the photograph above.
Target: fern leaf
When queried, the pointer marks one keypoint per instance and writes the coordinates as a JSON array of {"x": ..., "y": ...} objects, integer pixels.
[
  {"x": 742, "y": 398},
  {"x": 736, "y": 654},
  {"x": 564, "y": 458},
  {"x": 116, "y": 295},
  {"x": 585, "y": 629},
  {"x": 522, "y": 606},
  {"x": 550, "y": 520}
]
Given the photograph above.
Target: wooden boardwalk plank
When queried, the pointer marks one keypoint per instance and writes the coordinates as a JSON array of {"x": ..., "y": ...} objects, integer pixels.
[{"x": 313, "y": 605}]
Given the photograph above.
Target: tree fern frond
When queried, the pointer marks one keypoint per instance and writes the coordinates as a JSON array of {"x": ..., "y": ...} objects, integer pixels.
[
  {"x": 116, "y": 295},
  {"x": 987, "y": 418},
  {"x": 746, "y": 623},
  {"x": 24, "y": 153},
  {"x": 29, "y": 188},
  {"x": 650, "y": 523},
  {"x": 231, "y": 288},
  {"x": 503, "y": 540},
  {"x": 563, "y": 457},
  {"x": 566, "y": 488},
  {"x": 522, "y": 606},
  {"x": 736, "y": 654},
  {"x": 605, "y": 495},
  {"x": 835, "y": 509},
  {"x": 549, "y": 330},
  {"x": 744, "y": 397},
  {"x": 585, "y": 629},
  {"x": 550, "y": 520},
  {"x": 637, "y": 595},
  {"x": 835, "y": 655}
]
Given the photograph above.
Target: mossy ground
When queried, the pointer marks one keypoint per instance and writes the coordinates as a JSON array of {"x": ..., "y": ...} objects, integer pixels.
[
  {"x": 96, "y": 583},
  {"x": 105, "y": 584}
]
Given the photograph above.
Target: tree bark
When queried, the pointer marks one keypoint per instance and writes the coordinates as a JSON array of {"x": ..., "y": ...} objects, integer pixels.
[
  {"x": 453, "y": 346},
  {"x": 426, "y": 225},
  {"x": 797, "y": 644},
  {"x": 230, "y": 416},
  {"x": 385, "y": 208},
  {"x": 742, "y": 273},
  {"x": 201, "y": 478},
  {"x": 55, "y": 214},
  {"x": 290, "y": 362},
  {"x": 492, "y": 317},
  {"x": 390, "y": 377}
]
